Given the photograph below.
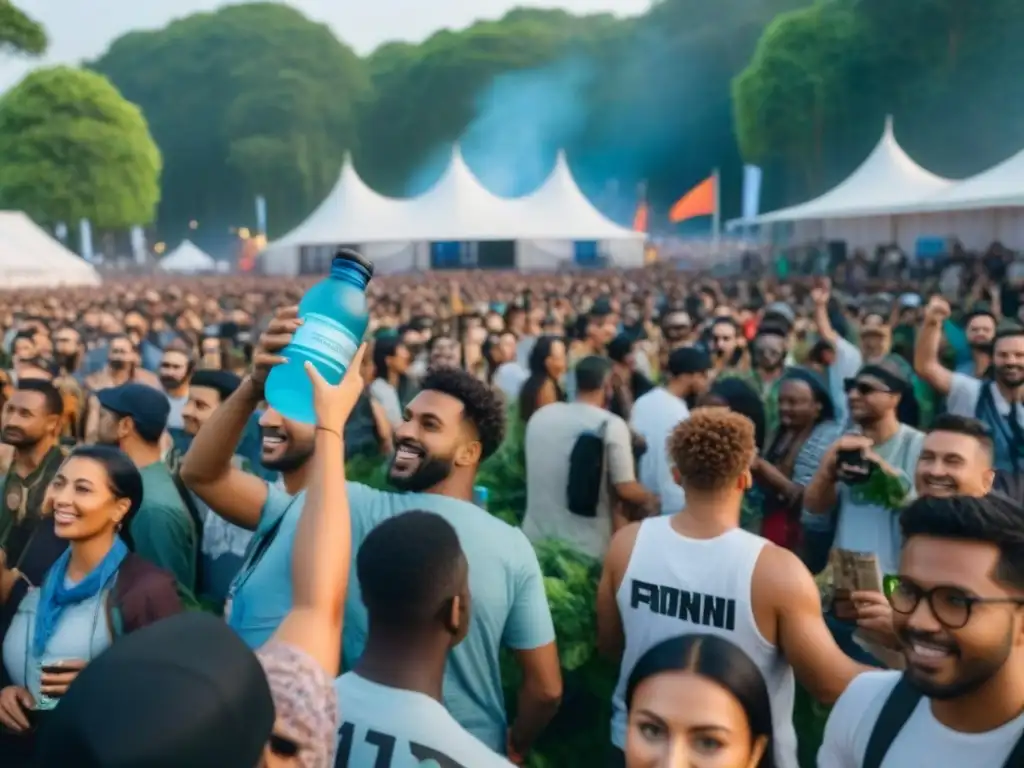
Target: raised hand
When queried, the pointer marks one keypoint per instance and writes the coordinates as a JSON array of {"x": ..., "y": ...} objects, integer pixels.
[
  {"x": 277, "y": 336},
  {"x": 822, "y": 292},
  {"x": 938, "y": 309},
  {"x": 333, "y": 404}
]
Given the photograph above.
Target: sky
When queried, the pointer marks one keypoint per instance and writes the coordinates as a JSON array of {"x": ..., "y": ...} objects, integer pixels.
[{"x": 82, "y": 29}]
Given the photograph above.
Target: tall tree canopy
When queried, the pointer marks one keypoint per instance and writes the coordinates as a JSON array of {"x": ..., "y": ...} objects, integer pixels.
[
  {"x": 814, "y": 97},
  {"x": 249, "y": 100},
  {"x": 18, "y": 32},
  {"x": 71, "y": 148},
  {"x": 256, "y": 99}
]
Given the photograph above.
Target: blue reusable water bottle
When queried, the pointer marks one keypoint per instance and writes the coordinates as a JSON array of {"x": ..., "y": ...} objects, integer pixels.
[{"x": 334, "y": 316}]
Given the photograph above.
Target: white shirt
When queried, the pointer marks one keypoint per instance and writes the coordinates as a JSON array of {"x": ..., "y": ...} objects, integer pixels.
[
  {"x": 411, "y": 727},
  {"x": 654, "y": 417},
  {"x": 509, "y": 378},
  {"x": 923, "y": 740},
  {"x": 676, "y": 585}
]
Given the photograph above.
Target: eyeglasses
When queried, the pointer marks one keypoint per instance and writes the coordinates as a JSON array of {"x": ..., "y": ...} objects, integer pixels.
[
  {"x": 951, "y": 606},
  {"x": 863, "y": 388},
  {"x": 669, "y": 329}
]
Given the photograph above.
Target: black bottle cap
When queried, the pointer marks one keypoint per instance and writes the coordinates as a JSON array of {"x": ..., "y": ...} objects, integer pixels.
[{"x": 347, "y": 254}]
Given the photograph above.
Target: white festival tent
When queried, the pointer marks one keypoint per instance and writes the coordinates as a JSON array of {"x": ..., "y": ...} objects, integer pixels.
[
  {"x": 977, "y": 210},
  {"x": 564, "y": 215},
  {"x": 31, "y": 258},
  {"x": 396, "y": 233},
  {"x": 188, "y": 259},
  {"x": 860, "y": 209}
]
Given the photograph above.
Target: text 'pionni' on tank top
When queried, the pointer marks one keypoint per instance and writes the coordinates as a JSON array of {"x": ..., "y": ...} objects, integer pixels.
[{"x": 676, "y": 585}]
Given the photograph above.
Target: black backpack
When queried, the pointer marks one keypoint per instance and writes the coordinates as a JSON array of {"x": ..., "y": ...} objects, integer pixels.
[
  {"x": 586, "y": 472},
  {"x": 902, "y": 701}
]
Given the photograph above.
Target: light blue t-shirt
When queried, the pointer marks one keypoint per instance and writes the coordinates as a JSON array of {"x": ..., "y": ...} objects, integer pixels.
[
  {"x": 82, "y": 633},
  {"x": 261, "y": 594},
  {"x": 509, "y": 605}
]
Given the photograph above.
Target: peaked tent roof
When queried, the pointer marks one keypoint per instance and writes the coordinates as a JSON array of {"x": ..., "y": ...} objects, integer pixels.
[
  {"x": 559, "y": 210},
  {"x": 460, "y": 207},
  {"x": 31, "y": 257},
  {"x": 352, "y": 211},
  {"x": 887, "y": 180},
  {"x": 188, "y": 257},
  {"x": 1001, "y": 186},
  {"x": 456, "y": 207}
]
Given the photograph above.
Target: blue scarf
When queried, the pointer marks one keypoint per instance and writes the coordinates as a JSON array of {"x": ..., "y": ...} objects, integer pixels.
[{"x": 54, "y": 596}]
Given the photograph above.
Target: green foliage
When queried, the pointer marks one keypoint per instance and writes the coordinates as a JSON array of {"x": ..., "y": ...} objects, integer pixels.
[
  {"x": 812, "y": 101},
  {"x": 783, "y": 99},
  {"x": 252, "y": 99},
  {"x": 71, "y": 147},
  {"x": 19, "y": 33}
]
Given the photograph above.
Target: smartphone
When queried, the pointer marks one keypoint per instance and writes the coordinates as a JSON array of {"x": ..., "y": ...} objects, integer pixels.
[{"x": 852, "y": 467}]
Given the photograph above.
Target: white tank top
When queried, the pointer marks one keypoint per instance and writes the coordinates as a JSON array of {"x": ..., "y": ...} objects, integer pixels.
[{"x": 674, "y": 586}]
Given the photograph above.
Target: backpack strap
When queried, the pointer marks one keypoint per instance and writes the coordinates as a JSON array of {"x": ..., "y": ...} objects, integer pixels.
[
  {"x": 902, "y": 701},
  {"x": 197, "y": 520}
]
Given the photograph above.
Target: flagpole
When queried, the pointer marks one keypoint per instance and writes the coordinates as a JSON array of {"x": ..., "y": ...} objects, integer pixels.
[{"x": 716, "y": 216}]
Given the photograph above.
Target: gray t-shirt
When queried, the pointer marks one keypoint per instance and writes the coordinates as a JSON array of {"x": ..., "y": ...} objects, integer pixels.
[
  {"x": 550, "y": 436},
  {"x": 863, "y": 525},
  {"x": 387, "y": 396}
]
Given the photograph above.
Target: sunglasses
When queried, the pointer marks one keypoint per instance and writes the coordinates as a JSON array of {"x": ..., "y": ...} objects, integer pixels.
[
  {"x": 282, "y": 746},
  {"x": 863, "y": 388}
]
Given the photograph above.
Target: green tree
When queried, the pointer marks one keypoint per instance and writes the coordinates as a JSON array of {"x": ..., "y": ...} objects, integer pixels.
[
  {"x": 19, "y": 33},
  {"x": 811, "y": 103},
  {"x": 427, "y": 95},
  {"x": 71, "y": 148},
  {"x": 250, "y": 100},
  {"x": 794, "y": 88}
]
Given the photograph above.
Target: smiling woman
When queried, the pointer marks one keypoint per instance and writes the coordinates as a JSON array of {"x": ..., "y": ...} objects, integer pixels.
[{"x": 90, "y": 596}]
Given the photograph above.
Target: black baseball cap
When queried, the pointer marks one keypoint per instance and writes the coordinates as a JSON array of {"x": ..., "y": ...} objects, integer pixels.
[
  {"x": 185, "y": 691},
  {"x": 146, "y": 406}
]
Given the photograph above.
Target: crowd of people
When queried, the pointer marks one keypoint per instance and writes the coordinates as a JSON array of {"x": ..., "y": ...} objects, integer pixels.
[{"x": 188, "y": 579}]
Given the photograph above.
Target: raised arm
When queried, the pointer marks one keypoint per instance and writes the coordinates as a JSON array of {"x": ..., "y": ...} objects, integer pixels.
[
  {"x": 235, "y": 495},
  {"x": 322, "y": 552},
  {"x": 926, "y": 348},
  {"x": 782, "y": 582}
]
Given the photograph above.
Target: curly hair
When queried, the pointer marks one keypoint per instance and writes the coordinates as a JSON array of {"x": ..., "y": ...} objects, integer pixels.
[
  {"x": 712, "y": 448},
  {"x": 482, "y": 405}
]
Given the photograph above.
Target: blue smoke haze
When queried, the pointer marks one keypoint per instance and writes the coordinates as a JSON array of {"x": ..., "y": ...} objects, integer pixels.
[{"x": 521, "y": 122}]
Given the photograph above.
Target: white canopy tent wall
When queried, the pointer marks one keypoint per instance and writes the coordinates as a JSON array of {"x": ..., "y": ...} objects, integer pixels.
[
  {"x": 396, "y": 234},
  {"x": 561, "y": 215},
  {"x": 977, "y": 210},
  {"x": 860, "y": 209},
  {"x": 351, "y": 214},
  {"x": 188, "y": 259},
  {"x": 31, "y": 258}
]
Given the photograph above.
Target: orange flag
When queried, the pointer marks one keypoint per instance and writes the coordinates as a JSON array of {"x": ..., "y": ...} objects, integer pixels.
[
  {"x": 699, "y": 201},
  {"x": 640, "y": 218}
]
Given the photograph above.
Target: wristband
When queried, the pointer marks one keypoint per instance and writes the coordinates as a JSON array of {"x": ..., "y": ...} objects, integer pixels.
[{"x": 328, "y": 429}]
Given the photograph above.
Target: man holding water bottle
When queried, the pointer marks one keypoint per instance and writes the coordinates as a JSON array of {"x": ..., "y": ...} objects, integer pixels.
[{"x": 454, "y": 424}]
